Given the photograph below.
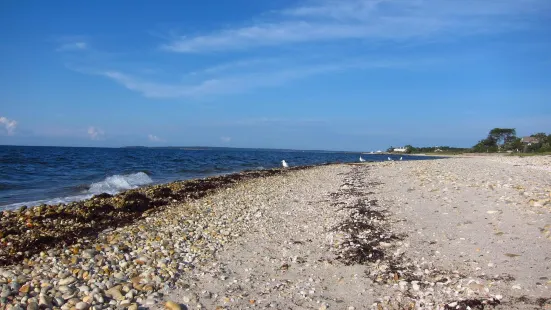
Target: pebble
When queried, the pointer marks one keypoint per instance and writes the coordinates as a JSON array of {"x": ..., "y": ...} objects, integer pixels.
[
  {"x": 24, "y": 289},
  {"x": 67, "y": 281},
  {"x": 82, "y": 306},
  {"x": 58, "y": 301},
  {"x": 84, "y": 289},
  {"x": 45, "y": 301},
  {"x": 170, "y": 305},
  {"x": 88, "y": 253},
  {"x": 133, "y": 307},
  {"x": 115, "y": 293},
  {"x": 5, "y": 292},
  {"x": 32, "y": 306},
  {"x": 64, "y": 289}
]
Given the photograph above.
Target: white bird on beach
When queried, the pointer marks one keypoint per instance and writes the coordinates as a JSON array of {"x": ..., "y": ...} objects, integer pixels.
[
  {"x": 361, "y": 159},
  {"x": 284, "y": 164},
  {"x": 390, "y": 159},
  {"x": 400, "y": 158}
]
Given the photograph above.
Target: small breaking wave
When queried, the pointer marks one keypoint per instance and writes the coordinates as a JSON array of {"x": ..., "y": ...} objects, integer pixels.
[
  {"x": 112, "y": 185},
  {"x": 117, "y": 183}
]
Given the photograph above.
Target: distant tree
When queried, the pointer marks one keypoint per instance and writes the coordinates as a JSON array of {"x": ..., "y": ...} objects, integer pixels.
[
  {"x": 410, "y": 149},
  {"x": 486, "y": 145},
  {"x": 505, "y": 139},
  {"x": 545, "y": 147},
  {"x": 532, "y": 148},
  {"x": 390, "y": 149},
  {"x": 502, "y": 135},
  {"x": 479, "y": 147},
  {"x": 541, "y": 136},
  {"x": 515, "y": 145}
]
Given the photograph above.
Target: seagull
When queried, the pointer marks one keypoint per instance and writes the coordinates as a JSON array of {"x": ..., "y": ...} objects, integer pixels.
[
  {"x": 284, "y": 164},
  {"x": 361, "y": 159},
  {"x": 400, "y": 157},
  {"x": 390, "y": 159}
]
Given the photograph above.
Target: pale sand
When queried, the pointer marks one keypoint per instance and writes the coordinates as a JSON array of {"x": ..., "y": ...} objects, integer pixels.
[{"x": 476, "y": 225}]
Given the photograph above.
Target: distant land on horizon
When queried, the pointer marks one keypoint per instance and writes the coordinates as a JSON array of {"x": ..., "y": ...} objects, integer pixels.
[
  {"x": 189, "y": 148},
  {"x": 215, "y": 148},
  {"x": 204, "y": 148}
]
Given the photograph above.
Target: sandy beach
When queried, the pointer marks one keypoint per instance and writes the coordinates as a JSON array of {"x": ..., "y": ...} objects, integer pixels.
[{"x": 454, "y": 233}]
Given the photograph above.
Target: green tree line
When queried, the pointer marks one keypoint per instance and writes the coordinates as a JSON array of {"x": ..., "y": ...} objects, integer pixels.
[
  {"x": 498, "y": 140},
  {"x": 505, "y": 139}
]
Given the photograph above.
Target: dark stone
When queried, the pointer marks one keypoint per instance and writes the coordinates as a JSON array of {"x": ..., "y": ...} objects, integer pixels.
[
  {"x": 133, "y": 201},
  {"x": 161, "y": 192},
  {"x": 102, "y": 196}
]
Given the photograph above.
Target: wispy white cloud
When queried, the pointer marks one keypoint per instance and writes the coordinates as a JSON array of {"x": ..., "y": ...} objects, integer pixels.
[
  {"x": 242, "y": 64},
  {"x": 9, "y": 125},
  {"x": 73, "y": 46},
  {"x": 225, "y": 139},
  {"x": 360, "y": 9},
  {"x": 154, "y": 138},
  {"x": 336, "y": 31},
  {"x": 164, "y": 90},
  {"x": 333, "y": 20},
  {"x": 237, "y": 83},
  {"x": 95, "y": 133}
]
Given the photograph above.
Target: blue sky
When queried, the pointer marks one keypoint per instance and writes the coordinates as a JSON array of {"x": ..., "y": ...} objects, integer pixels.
[{"x": 339, "y": 75}]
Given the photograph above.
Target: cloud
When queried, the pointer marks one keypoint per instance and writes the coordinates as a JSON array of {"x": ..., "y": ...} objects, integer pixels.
[
  {"x": 73, "y": 46},
  {"x": 161, "y": 90},
  {"x": 315, "y": 38},
  {"x": 241, "y": 65},
  {"x": 95, "y": 133},
  {"x": 154, "y": 138},
  {"x": 225, "y": 139},
  {"x": 9, "y": 125},
  {"x": 333, "y": 20},
  {"x": 238, "y": 83}
]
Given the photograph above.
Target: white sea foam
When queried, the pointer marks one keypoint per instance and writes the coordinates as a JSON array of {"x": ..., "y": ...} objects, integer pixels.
[
  {"x": 111, "y": 185},
  {"x": 118, "y": 183}
]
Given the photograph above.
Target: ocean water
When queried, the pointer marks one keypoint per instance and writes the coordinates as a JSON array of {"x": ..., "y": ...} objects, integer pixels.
[{"x": 35, "y": 175}]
